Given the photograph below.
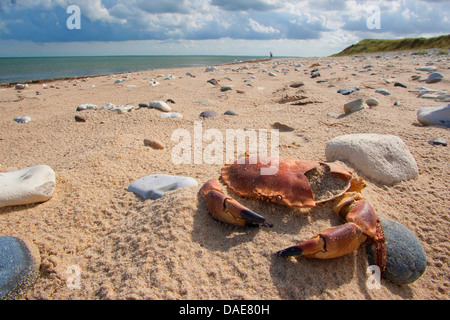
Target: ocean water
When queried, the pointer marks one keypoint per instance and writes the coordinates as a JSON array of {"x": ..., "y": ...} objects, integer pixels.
[{"x": 13, "y": 70}]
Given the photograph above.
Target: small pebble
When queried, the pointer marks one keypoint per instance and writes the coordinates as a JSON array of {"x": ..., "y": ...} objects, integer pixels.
[
  {"x": 80, "y": 119},
  {"x": 372, "y": 102},
  {"x": 170, "y": 115},
  {"x": 160, "y": 105},
  {"x": 208, "y": 114},
  {"x": 226, "y": 88},
  {"x": 347, "y": 91},
  {"x": 438, "y": 142},
  {"x": 155, "y": 144},
  {"x": 354, "y": 105},
  {"x": 297, "y": 84},
  {"x": 383, "y": 92},
  {"x": 230, "y": 113},
  {"x": 86, "y": 106},
  {"x": 22, "y": 119},
  {"x": 435, "y": 77},
  {"x": 399, "y": 84}
]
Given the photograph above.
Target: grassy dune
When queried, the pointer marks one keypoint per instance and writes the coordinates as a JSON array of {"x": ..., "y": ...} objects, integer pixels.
[{"x": 379, "y": 45}]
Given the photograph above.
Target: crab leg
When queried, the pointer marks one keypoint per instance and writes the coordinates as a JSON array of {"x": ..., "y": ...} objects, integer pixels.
[
  {"x": 226, "y": 209},
  {"x": 362, "y": 223}
]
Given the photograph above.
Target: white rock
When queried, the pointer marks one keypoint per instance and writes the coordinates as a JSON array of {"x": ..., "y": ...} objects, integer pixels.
[
  {"x": 210, "y": 69},
  {"x": 383, "y": 158},
  {"x": 155, "y": 186},
  {"x": 20, "y": 86},
  {"x": 24, "y": 119},
  {"x": 122, "y": 109},
  {"x": 170, "y": 115},
  {"x": 426, "y": 68},
  {"x": 108, "y": 106},
  {"x": 87, "y": 106},
  {"x": 160, "y": 105},
  {"x": 434, "y": 116},
  {"x": 26, "y": 186}
]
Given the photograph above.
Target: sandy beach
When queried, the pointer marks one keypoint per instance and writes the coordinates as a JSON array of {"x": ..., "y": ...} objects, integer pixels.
[{"x": 171, "y": 248}]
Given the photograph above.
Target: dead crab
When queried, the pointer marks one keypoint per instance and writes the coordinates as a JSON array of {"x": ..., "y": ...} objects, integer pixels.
[{"x": 300, "y": 184}]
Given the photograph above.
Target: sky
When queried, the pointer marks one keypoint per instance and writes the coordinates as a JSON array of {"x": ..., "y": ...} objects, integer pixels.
[{"x": 300, "y": 28}]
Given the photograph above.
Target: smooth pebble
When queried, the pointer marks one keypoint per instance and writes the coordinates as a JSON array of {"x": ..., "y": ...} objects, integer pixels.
[
  {"x": 406, "y": 260},
  {"x": 155, "y": 186}
]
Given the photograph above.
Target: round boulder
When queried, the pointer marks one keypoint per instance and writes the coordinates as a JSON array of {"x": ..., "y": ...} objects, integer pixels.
[
  {"x": 383, "y": 158},
  {"x": 19, "y": 267},
  {"x": 406, "y": 259}
]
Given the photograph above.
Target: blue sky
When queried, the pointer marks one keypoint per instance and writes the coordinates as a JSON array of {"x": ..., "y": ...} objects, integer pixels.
[{"x": 223, "y": 27}]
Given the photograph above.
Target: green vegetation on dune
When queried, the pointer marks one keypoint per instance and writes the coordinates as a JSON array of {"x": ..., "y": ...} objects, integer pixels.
[{"x": 379, "y": 45}]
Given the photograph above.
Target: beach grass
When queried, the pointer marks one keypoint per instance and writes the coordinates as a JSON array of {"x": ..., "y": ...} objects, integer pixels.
[{"x": 383, "y": 45}]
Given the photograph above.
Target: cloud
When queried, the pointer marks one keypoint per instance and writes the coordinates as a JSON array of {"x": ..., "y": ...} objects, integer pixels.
[
  {"x": 44, "y": 21},
  {"x": 245, "y": 5},
  {"x": 402, "y": 18},
  {"x": 162, "y": 6}
]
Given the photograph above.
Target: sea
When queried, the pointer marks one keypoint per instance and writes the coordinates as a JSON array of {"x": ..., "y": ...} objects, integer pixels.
[{"x": 16, "y": 70}]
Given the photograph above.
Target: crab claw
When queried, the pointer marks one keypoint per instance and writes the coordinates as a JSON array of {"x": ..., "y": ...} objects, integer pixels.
[
  {"x": 362, "y": 223},
  {"x": 226, "y": 209},
  {"x": 330, "y": 243}
]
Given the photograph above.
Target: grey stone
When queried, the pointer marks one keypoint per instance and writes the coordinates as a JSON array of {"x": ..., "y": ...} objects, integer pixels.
[
  {"x": 406, "y": 259},
  {"x": 438, "y": 141},
  {"x": 297, "y": 84},
  {"x": 208, "y": 114},
  {"x": 155, "y": 186},
  {"x": 399, "y": 84},
  {"x": 427, "y": 68},
  {"x": 372, "y": 102},
  {"x": 435, "y": 77},
  {"x": 383, "y": 92},
  {"x": 354, "y": 105},
  {"x": 230, "y": 113},
  {"x": 347, "y": 91},
  {"x": 226, "y": 88},
  {"x": 434, "y": 116},
  {"x": 19, "y": 267},
  {"x": 87, "y": 106}
]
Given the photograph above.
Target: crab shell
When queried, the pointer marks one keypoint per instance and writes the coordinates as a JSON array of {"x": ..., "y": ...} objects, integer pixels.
[{"x": 288, "y": 186}]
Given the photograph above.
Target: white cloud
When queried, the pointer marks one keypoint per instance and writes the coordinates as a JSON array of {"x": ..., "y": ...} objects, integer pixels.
[
  {"x": 258, "y": 27},
  {"x": 330, "y": 25}
]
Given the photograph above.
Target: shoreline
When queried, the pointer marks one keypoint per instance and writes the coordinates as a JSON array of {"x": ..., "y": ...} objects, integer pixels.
[{"x": 39, "y": 81}]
